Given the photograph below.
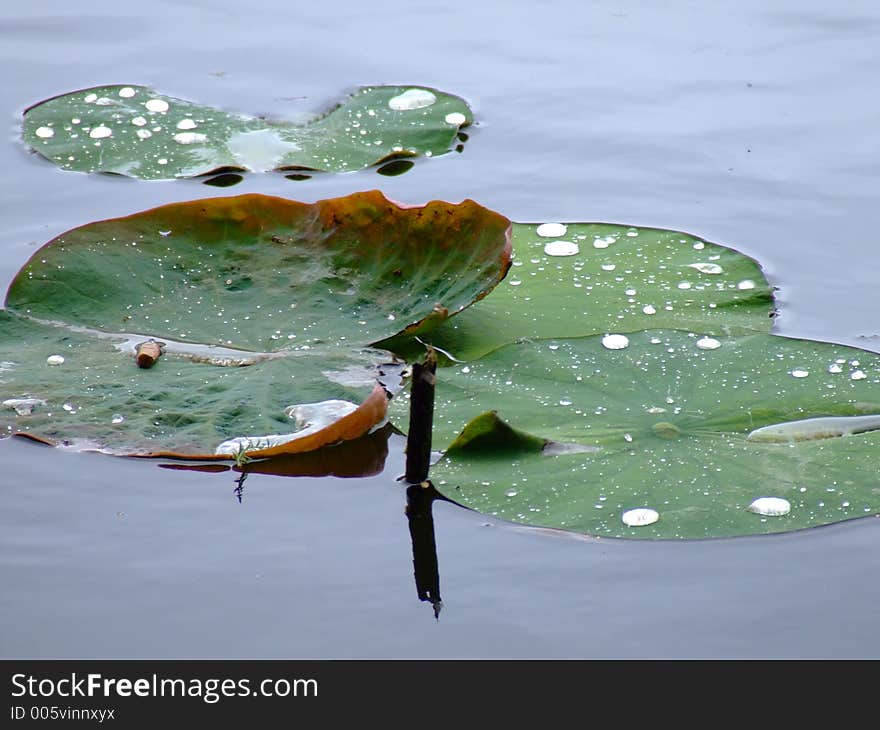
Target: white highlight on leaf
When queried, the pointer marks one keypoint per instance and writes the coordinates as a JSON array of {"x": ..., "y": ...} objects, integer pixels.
[
  {"x": 770, "y": 506},
  {"x": 551, "y": 230},
  {"x": 308, "y": 417},
  {"x": 640, "y": 517},
  {"x": 412, "y": 99}
]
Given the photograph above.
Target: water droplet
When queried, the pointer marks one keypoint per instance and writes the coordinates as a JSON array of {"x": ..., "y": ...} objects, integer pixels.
[
  {"x": 139, "y": 121},
  {"x": 164, "y": 234},
  {"x": 608, "y": 267},
  {"x": 117, "y": 418},
  {"x": 412, "y": 99},
  {"x": 649, "y": 309},
  {"x": 157, "y": 105},
  {"x": 144, "y": 133},
  {"x": 699, "y": 245},
  {"x": 465, "y": 370},
  {"x": 640, "y": 517},
  {"x": 162, "y": 161},
  {"x": 684, "y": 285},
  {"x": 561, "y": 248},
  {"x": 746, "y": 284},
  {"x": 515, "y": 282},
  {"x": 858, "y": 375},
  {"x": 100, "y": 132},
  {"x": 800, "y": 373},
  {"x": 45, "y": 132},
  {"x": 628, "y": 438},
  {"x": 126, "y": 92},
  {"x": 551, "y": 230},
  {"x": 708, "y": 343},
  {"x": 90, "y": 98},
  {"x": 553, "y": 347},
  {"x": 69, "y": 407},
  {"x": 615, "y": 342},
  {"x": 706, "y": 268},
  {"x": 835, "y": 368},
  {"x": 54, "y": 360},
  {"x": 186, "y": 124},
  {"x": 565, "y": 402},
  {"x": 511, "y": 493},
  {"x": 456, "y": 118},
  {"x": 632, "y": 232},
  {"x": 190, "y": 137},
  {"x": 770, "y": 506}
]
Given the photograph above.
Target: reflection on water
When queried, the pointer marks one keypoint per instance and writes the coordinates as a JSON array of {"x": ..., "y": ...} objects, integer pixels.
[
  {"x": 419, "y": 501},
  {"x": 395, "y": 167},
  {"x": 363, "y": 457},
  {"x": 225, "y": 180}
]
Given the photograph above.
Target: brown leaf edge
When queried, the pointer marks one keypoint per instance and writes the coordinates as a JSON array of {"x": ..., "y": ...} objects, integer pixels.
[
  {"x": 369, "y": 212},
  {"x": 368, "y": 414},
  {"x": 357, "y": 423}
]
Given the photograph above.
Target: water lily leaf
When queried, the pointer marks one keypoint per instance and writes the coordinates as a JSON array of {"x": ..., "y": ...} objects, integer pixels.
[
  {"x": 263, "y": 273},
  {"x": 257, "y": 309},
  {"x": 589, "y": 278},
  {"x": 135, "y": 131},
  {"x": 685, "y": 425},
  {"x": 84, "y": 390}
]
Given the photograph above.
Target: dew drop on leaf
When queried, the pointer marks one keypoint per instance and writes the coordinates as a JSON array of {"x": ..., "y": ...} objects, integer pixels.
[
  {"x": 615, "y": 342},
  {"x": 770, "y": 506},
  {"x": 412, "y": 99},
  {"x": 640, "y": 517},
  {"x": 157, "y": 105},
  {"x": 561, "y": 248},
  {"x": 551, "y": 230}
]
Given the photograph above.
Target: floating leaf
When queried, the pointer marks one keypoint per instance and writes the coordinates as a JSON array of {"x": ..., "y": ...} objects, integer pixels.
[
  {"x": 667, "y": 419},
  {"x": 588, "y": 278},
  {"x": 263, "y": 308},
  {"x": 263, "y": 273},
  {"x": 134, "y": 131},
  {"x": 186, "y": 405}
]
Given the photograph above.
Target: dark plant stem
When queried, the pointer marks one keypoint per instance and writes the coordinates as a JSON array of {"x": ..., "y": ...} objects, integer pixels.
[{"x": 421, "y": 419}]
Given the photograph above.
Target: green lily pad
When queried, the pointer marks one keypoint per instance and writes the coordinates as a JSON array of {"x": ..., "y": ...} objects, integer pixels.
[
  {"x": 84, "y": 391},
  {"x": 263, "y": 273},
  {"x": 588, "y": 278},
  {"x": 261, "y": 303},
  {"x": 663, "y": 422},
  {"x": 134, "y": 131}
]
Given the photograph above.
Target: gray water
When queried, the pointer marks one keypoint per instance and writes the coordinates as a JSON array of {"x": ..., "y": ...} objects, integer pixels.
[{"x": 754, "y": 124}]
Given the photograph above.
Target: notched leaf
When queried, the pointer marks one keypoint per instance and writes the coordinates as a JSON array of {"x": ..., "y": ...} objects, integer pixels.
[
  {"x": 685, "y": 429},
  {"x": 137, "y": 132}
]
